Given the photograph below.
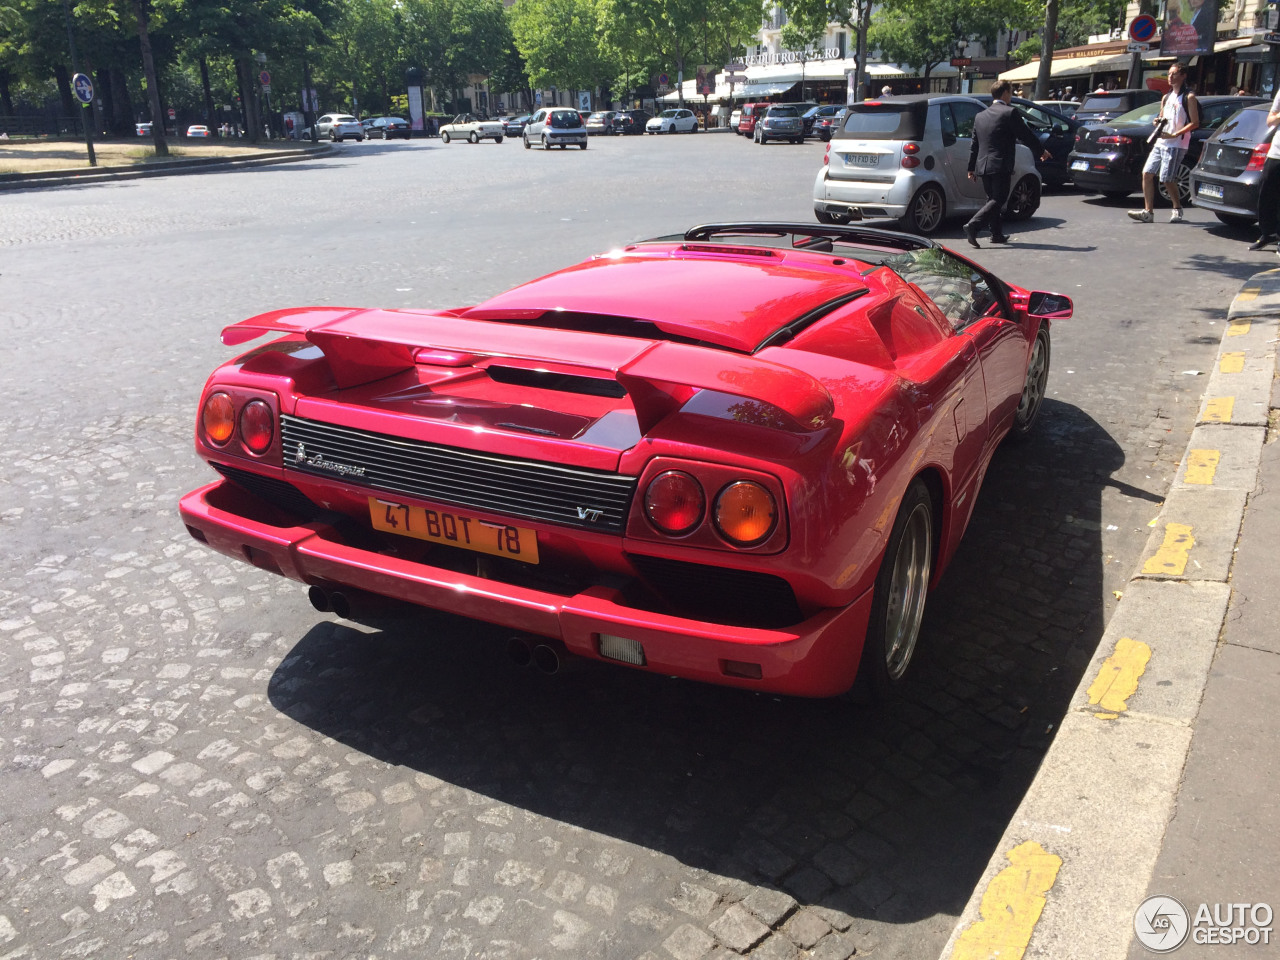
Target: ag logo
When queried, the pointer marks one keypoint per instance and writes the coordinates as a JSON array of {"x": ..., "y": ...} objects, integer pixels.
[{"x": 1161, "y": 924}]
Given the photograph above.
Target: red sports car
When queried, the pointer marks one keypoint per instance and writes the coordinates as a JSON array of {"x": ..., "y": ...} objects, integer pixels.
[{"x": 740, "y": 455}]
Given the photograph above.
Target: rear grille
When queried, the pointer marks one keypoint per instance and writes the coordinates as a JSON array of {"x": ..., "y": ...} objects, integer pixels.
[
  {"x": 720, "y": 594},
  {"x": 527, "y": 489},
  {"x": 276, "y": 492}
]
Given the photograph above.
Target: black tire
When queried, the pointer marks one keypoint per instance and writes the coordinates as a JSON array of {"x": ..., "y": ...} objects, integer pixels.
[
  {"x": 359, "y": 139},
  {"x": 898, "y": 600},
  {"x": 497, "y": 139},
  {"x": 927, "y": 210},
  {"x": 1184, "y": 185},
  {"x": 1235, "y": 219},
  {"x": 1024, "y": 199},
  {"x": 444, "y": 136},
  {"x": 545, "y": 145},
  {"x": 334, "y": 137},
  {"x": 1033, "y": 388},
  {"x": 525, "y": 138},
  {"x": 473, "y": 137},
  {"x": 583, "y": 145},
  {"x": 1116, "y": 194}
]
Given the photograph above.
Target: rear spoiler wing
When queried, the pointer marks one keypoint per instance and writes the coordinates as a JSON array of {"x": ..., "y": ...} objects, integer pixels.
[{"x": 365, "y": 345}]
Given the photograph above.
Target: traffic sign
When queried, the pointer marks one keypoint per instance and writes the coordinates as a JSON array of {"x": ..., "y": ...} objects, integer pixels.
[
  {"x": 264, "y": 78},
  {"x": 83, "y": 87},
  {"x": 1142, "y": 28},
  {"x": 1138, "y": 47},
  {"x": 961, "y": 61},
  {"x": 173, "y": 114},
  {"x": 663, "y": 80}
]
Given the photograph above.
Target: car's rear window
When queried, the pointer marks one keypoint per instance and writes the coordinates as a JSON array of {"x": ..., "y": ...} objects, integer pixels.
[
  {"x": 565, "y": 120},
  {"x": 783, "y": 112},
  {"x": 345, "y": 120},
  {"x": 1104, "y": 103},
  {"x": 1250, "y": 124},
  {"x": 886, "y": 121}
]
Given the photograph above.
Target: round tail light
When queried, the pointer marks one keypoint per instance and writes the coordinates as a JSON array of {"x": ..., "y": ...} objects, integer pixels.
[
  {"x": 257, "y": 426},
  {"x": 218, "y": 418},
  {"x": 745, "y": 513},
  {"x": 910, "y": 162},
  {"x": 674, "y": 502}
]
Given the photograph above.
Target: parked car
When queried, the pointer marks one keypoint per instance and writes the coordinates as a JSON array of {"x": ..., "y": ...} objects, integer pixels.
[
  {"x": 675, "y": 120},
  {"x": 907, "y": 157},
  {"x": 735, "y": 118},
  {"x": 1108, "y": 158},
  {"x": 1228, "y": 178},
  {"x": 338, "y": 126},
  {"x": 601, "y": 122},
  {"x": 555, "y": 127},
  {"x": 751, "y": 112},
  {"x": 823, "y": 126},
  {"x": 515, "y": 125},
  {"x": 780, "y": 122},
  {"x": 142, "y": 129},
  {"x": 740, "y": 455},
  {"x": 1101, "y": 107},
  {"x": 469, "y": 127},
  {"x": 821, "y": 111},
  {"x": 386, "y": 128},
  {"x": 198, "y": 130},
  {"x": 630, "y": 122},
  {"x": 1067, "y": 108},
  {"x": 583, "y": 115},
  {"x": 1056, "y": 133}
]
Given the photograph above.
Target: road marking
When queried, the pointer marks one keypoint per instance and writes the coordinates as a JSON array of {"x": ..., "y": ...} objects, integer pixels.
[
  {"x": 1248, "y": 293},
  {"x": 1201, "y": 466},
  {"x": 1171, "y": 558},
  {"x": 1011, "y": 906},
  {"x": 1231, "y": 362},
  {"x": 1238, "y": 328},
  {"x": 1117, "y": 679},
  {"x": 1218, "y": 409}
]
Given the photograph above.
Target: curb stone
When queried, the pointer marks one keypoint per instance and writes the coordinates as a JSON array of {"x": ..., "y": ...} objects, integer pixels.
[{"x": 1078, "y": 855}]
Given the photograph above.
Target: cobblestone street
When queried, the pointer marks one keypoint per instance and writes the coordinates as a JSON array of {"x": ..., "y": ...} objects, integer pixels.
[{"x": 193, "y": 762}]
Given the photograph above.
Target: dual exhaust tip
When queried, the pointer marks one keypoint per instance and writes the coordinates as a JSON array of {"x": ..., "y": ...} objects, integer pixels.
[{"x": 546, "y": 656}]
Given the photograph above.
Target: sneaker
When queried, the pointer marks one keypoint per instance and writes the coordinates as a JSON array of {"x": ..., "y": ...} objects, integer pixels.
[
  {"x": 1176, "y": 217},
  {"x": 1142, "y": 216}
]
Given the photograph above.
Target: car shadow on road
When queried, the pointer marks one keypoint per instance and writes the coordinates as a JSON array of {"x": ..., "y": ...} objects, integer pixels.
[{"x": 877, "y": 815}]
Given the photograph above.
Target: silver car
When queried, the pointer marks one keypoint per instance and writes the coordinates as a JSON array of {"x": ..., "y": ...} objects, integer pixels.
[
  {"x": 338, "y": 126},
  {"x": 780, "y": 122},
  {"x": 555, "y": 127},
  {"x": 908, "y": 158}
]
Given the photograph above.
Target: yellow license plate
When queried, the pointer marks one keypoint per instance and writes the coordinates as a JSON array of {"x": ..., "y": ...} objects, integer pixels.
[{"x": 454, "y": 529}]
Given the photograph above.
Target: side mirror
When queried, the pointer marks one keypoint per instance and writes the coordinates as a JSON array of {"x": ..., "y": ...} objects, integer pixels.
[{"x": 1049, "y": 306}]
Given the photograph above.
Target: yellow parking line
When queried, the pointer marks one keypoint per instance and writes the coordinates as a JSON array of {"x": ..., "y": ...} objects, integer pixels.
[
  {"x": 1171, "y": 558},
  {"x": 1219, "y": 409},
  {"x": 1238, "y": 328},
  {"x": 1231, "y": 362},
  {"x": 1248, "y": 293},
  {"x": 1117, "y": 680},
  {"x": 1201, "y": 466},
  {"x": 1011, "y": 906}
]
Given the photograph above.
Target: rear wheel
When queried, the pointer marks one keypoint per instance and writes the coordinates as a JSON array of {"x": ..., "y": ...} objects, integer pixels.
[
  {"x": 1033, "y": 388},
  {"x": 926, "y": 211},
  {"x": 497, "y": 139},
  {"x": 1024, "y": 199},
  {"x": 583, "y": 145},
  {"x": 473, "y": 137},
  {"x": 1184, "y": 185},
  {"x": 444, "y": 136},
  {"x": 897, "y": 606}
]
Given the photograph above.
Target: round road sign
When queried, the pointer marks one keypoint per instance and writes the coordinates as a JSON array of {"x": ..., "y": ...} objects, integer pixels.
[
  {"x": 1142, "y": 28},
  {"x": 83, "y": 87},
  {"x": 264, "y": 78},
  {"x": 173, "y": 114}
]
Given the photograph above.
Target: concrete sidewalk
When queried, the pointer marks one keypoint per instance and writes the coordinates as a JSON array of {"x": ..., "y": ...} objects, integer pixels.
[{"x": 1152, "y": 824}]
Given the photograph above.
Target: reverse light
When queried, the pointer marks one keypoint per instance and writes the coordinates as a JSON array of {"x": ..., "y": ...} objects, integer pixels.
[
  {"x": 218, "y": 418},
  {"x": 674, "y": 502},
  {"x": 1258, "y": 157},
  {"x": 745, "y": 513},
  {"x": 257, "y": 426}
]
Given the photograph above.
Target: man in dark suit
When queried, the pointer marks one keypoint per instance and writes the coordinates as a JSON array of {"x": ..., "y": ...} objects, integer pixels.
[{"x": 996, "y": 133}]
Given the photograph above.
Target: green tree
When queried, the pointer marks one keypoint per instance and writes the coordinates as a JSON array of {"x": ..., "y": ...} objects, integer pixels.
[
  {"x": 925, "y": 33},
  {"x": 853, "y": 15},
  {"x": 560, "y": 43}
]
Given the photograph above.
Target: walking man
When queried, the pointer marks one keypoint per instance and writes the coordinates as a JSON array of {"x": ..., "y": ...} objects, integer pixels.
[
  {"x": 996, "y": 133},
  {"x": 1179, "y": 115}
]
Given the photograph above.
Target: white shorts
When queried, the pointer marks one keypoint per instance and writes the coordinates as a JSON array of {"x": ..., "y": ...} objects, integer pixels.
[{"x": 1164, "y": 161}]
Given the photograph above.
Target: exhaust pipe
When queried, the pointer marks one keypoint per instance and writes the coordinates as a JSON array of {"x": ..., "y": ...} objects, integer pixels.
[
  {"x": 319, "y": 598},
  {"x": 351, "y": 604},
  {"x": 520, "y": 651},
  {"x": 552, "y": 657}
]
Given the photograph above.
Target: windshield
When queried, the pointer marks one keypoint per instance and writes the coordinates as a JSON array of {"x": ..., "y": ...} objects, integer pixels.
[
  {"x": 669, "y": 114},
  {"x": 1250, "y": 124}
]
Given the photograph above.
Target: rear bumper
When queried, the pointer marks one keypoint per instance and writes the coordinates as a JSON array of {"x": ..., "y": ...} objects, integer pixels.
[
  {"x": 1239, "y": 194},
  {"x": 860, "y": 200},
  {"x": 815, "y": 658}
]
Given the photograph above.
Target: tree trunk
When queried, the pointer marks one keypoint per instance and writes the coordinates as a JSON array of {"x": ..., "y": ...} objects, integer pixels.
[
  {"x": 249, "y": 98},
  {"x": 6, "y": 99},
  {"x": 1046, "y": 49},
  {"x": 63, "y": 80},
  {"x": 104, "y": 92},
  {"x": 209, "y": 115},
  {"x": 153, "y": 85},
  {"x": 860, "y": 76},
  {"x": 123, "y": 118}
]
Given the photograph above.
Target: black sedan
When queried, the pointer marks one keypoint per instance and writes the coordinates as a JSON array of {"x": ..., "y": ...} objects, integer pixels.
[
  {"x": 385, "y": 128},
  {"x": 823, "y": 126},
  {"x": 1108, "y": 158},
  {"x": 1229, "y": 175},
  {"x": 824, "y": 111},
  {"x": 630, "y": 122},
  {"x": 1056, "y": 133}
]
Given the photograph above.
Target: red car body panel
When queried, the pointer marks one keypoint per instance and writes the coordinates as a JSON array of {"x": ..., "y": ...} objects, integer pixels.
[{"x": 834, "y": 422}]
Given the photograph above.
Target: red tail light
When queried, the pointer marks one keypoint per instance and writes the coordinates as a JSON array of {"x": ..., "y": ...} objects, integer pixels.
[
  {"x": 1258, "y": 157},
  {"x": 674, "y": 502},
  {"x": 1116, "y": 141},
  {"x": 911, "y": 148},
  {"x": 257, "y": 426},
  {"x": 910, "y": 162},
  {"x": 826, "y": 156}
]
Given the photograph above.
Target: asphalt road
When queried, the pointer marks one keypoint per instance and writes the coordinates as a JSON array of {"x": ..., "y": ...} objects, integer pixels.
[{"x": 193, "y": 761}]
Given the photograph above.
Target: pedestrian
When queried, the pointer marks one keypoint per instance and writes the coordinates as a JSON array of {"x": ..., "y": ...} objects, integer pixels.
[
  {"x": 996, "y": 133},
  {"x": 886, "y": 91},
  {"x": 1269, "y": 192},
  {"x": 1179, "y": 115}
]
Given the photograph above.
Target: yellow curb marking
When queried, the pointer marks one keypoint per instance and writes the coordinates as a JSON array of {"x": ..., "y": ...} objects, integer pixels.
[
  {"x": 1238, "y": 328},
  {"x": 1171, "y": 558},
  {"x": 1011, "y": 906},
  {"x": 1218, "y": 409},
  {"x": 1231, "y": 362},
  {"x": 1117, "y": 680},
  {"x": 1248, "y": 293},
  {"x": 1201, "y": 466}
]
